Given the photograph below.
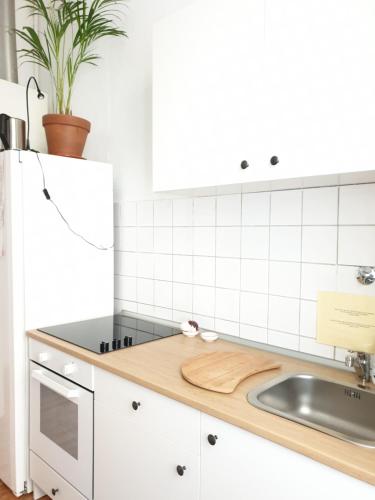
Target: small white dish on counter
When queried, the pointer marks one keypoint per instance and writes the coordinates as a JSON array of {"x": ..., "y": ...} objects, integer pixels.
[
  {"x": 209, "y": 336},
  {"x": 189, "y": 329}
]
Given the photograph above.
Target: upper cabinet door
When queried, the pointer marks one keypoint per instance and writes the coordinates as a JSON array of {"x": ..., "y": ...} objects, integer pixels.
[
  {"x": 208, "y": 111},
  {"x": 320, "y": 66}
]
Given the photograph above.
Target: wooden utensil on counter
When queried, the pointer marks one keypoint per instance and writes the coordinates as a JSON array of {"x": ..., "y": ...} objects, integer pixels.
[{"x": 222, "y": 371}]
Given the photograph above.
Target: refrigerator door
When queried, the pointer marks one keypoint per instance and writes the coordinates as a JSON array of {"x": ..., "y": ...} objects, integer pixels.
[{"x": 67, "y": 278}]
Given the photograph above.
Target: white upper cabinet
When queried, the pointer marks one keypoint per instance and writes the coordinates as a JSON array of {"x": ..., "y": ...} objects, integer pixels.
[
  {"x": 320, "y": 85},
  {"x": 208, "y": 80},
  {"x": 252, "y": 79}
]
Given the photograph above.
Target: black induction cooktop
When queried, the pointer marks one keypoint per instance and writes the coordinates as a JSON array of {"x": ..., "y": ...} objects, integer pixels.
[{"x": 111, "y": 333}]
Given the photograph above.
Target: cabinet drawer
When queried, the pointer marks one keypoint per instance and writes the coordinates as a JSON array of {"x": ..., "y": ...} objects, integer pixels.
[
  {"x": 47, "y": 480},
  {"x": 58, "y": 361},
  {"x": 174, "y": 421}
]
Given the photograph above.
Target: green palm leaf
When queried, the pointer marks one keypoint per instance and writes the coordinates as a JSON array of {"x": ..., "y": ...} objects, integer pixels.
[{"x": 70, "y": 30}]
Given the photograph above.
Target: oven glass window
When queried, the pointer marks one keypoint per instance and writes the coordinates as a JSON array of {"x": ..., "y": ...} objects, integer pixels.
[{"x": 59, "y": 420}]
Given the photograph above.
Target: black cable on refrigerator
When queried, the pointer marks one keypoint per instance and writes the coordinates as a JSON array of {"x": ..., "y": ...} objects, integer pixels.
[{"x": 48, "y": 198}]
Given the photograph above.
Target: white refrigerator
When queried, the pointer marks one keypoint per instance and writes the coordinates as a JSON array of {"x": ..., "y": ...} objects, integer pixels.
[{"x": 56, "y": 266}]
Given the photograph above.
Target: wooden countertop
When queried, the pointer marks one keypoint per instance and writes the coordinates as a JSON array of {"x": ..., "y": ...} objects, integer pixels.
[{"x": 156, "y": 365}]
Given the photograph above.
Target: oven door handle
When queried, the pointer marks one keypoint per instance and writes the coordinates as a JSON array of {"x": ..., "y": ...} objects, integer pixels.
[{"x": 40, "y": 376}]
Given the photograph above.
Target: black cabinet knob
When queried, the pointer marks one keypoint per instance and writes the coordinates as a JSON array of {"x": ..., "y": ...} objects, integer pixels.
[
  {"x": 274, "y": 160},
  {"x": 54, "y": 491},
  {"x": 212, "y": 439},
  {"x": 135, "y": 405},
  {"x": 180, "y": 470},
  {"x": 244, "y": 164}
]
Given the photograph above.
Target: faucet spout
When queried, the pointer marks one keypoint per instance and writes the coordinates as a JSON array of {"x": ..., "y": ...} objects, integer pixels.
[{"x": 361, "y": 362}]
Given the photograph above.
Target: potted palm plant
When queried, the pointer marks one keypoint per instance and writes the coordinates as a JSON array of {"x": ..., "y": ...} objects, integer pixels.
[{"x": 65, "y": 41}]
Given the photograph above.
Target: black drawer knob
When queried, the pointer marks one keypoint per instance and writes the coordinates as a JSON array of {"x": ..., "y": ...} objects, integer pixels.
[
  {"x": 54, "y": 491},
  {"x": 135, "y": 405},
  {"x": 244, "y": 164},
  {"x": 212, "y": 439},
  {"x": 181, "y": 470},
  {"x": 274, "y": 160}
]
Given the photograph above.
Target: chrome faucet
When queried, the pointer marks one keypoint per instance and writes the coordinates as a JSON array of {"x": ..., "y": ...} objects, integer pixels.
[{"x": 361, "y": 361}]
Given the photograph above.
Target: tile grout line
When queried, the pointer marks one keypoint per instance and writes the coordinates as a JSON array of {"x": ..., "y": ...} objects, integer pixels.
[
  {"x": 268, "y": 265},
  {"x": 300, "y": 273}
]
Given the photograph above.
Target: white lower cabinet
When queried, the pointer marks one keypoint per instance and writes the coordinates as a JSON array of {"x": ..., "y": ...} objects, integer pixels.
[
  {"x": 142, "y": 437},
  {"x": 138, "y": 449},
  {"x": 243, "y": 466}
]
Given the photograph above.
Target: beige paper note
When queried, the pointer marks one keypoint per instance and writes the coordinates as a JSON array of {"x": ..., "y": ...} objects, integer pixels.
[{"x": 346, "y": 320}]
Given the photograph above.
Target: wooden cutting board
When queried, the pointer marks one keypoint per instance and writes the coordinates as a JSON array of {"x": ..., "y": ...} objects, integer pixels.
[{"x": 222, "y": 371}]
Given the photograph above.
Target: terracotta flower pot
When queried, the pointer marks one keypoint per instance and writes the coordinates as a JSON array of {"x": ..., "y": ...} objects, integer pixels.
[{"x": 66, "y": 134}]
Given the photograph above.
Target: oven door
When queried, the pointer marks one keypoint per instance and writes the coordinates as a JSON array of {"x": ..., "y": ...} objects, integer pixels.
[{"x": 61, "y": 426}]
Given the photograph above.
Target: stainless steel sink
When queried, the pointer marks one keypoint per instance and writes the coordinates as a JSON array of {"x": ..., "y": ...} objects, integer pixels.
[{"x": 343, "y": 411}]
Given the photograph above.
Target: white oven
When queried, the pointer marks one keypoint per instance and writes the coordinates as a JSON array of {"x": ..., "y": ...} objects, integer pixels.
[{"x": 61, "y": 426}]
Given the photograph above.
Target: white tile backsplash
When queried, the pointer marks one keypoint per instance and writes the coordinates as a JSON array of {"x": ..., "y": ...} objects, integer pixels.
[
  {"x": 228, "y": 241},
  {"x": 145, "y": 291},
  {"x": 145, "y": 213},
  {"x": 163, "y": 265},
  {"x": 255, "y": 242},
  {"x": 307, "y": 324},
  {"x": 356, "y": 245},
  {"x": 204, "y": 271},
  {"x": 204, "y": 300},
  {"x": 357, "y": 204},
  {"x": 126, "y": 263},
  {"x": 126, "y": 288},
  {"x": 315, "y": 277},
  {"x": 286, "y": 208},
  {"x": 163, "y": 238},
  {"x": 254, "y": 275},
  {"x": 182, "y": 297},
  {"x": 183, "y": 268},
  {"x": 183, "y": 240},
  {"x": 283, "y": 314},
  {"x": 285, "y": 278},
  {"x": 204, "y": 241},
  {"x": 256, "y": 209},
  {"x": 247, "y": 265},
  {"x": 183, "y": 212},
  {"x": 228, "y": 273},
  {"x": 254, "y": 333},
  {"x": 204, "y": 212},
  {"x": 320, "y": 206},
  {"x": 145, "y": 239},
  {"x": 228, "y": 210},
  {"x": 126, "y": 239},
  {"x": 285, "y": 243},
  {"x": 145, "y": 265},
  {"x": 227, "y": 327},
  {"x": 163, "y": 294},
  {"x": 128, "y": 214},
  {"x": 254, "y": 309},
  {"x": 163, "y": 212},
  {"x": 311, "y": 346},
  {"x": 284, "y": 340},
  {"x": 227, "y": 304},
  {"x": 319, "y": 244}
]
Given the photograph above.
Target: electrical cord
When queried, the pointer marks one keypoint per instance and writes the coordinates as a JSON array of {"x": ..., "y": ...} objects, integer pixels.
[{"x": 48, "y": 198}]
